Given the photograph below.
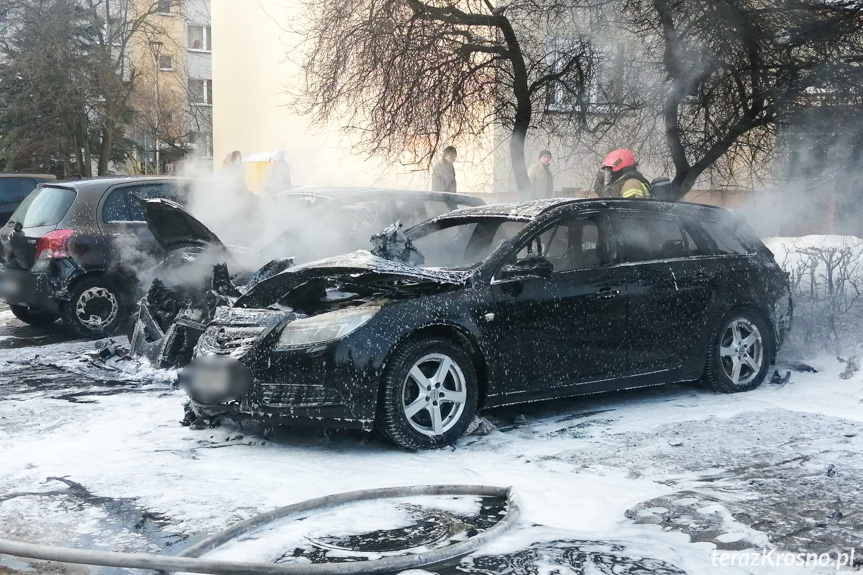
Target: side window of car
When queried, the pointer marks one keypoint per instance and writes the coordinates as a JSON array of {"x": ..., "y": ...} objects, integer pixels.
[
  {"x": 363, "y": 219},
  {"x": 412, "y": 211},
  {"x": 649, "y": 238},
  {"x": 116, "y": 209},
  {"x": 122, "y": 204},
  {"x": 570, "y": 245},
  {"x": 724, "y": 237},
  {"x": 149, "y": 192},
  {"x": 696, "y": 241}
]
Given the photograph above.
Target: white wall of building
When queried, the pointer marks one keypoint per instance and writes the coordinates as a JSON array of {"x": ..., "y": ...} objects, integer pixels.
[{"x": 256, "y": 69}]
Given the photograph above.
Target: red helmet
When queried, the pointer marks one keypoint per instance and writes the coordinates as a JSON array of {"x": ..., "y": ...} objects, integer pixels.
[{"x": 619, "y": 159}]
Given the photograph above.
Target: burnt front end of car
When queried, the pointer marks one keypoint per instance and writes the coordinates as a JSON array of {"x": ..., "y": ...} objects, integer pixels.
[
  {"x": 314, "y": 339},
  {"x": 284, "y": 368}
]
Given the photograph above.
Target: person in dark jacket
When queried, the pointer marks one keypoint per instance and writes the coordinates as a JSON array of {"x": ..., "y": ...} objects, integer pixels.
[
  {"x": 443, "y": 175},
  {"x": 619, "y": 177},
  {"x": 540, "y": 176}
]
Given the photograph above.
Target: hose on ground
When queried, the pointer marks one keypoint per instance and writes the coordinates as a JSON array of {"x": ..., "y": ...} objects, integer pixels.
[{"x": 190, "y": 561}]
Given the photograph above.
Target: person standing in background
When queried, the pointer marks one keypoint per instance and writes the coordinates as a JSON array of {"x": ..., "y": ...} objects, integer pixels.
[
  {"x": 540, "y": 176},
  {"x": 234, "y": 172},
  {"x": 443, "y": 175},
  {"x": 280, "y": 173},
  {"x": 233, "y": 159}
]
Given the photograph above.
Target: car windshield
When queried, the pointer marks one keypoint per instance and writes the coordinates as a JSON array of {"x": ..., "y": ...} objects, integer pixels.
[
  {"x": 44, "y": 207},
  {"x": 463, "y": 243}
]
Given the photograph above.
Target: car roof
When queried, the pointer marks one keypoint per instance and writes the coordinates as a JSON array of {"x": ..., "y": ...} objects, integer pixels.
[
  {"x": 339, "y": 193},
  {"x": 526, "y": 211},
  {"x": 97, "y": 186}
]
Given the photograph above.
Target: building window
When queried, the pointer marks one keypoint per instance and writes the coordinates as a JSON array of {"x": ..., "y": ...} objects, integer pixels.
[
  {"x": 166, "y": 63},
  {"x": 163, "y": 6},
  {"x": 200, "y": 38},
  {"x": 602, "y": 89},
  {"x": 201, "y": 92}
]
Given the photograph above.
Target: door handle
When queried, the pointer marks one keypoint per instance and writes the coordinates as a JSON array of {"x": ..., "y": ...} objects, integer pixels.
[{"x": 607, "y": 293}]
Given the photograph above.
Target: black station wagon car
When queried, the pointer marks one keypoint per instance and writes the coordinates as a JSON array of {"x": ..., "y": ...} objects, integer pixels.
[{"x": 513, "y": 303}]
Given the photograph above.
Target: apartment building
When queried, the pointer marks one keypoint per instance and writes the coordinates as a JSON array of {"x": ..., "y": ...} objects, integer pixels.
[{"x": 173, "y": 99}]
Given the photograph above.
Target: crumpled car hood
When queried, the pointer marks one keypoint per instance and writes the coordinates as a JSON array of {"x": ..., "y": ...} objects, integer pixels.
[{"x": 358, "y": 266}]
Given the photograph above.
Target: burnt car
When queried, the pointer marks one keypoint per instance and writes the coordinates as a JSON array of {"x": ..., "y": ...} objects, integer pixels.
[
  {"x": 512, "y": 303},
  {"x": 300, "y": 225},
  {"x": 72, "y": 250},
  {"x": 317, "y": 222}
]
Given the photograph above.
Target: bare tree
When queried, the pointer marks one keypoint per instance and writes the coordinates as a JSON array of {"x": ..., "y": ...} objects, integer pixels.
[
  {"x": 68, "y": 63},
  {"x": 721, "y": 76},
  {"x": 409, "y": 75}
]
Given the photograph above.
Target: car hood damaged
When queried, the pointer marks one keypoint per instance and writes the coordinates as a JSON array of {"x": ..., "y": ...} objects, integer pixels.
[
  {"x": 176, "y": 323},
  {"x": 171, "y": 318},
  {"x": 349, "y": 279}
]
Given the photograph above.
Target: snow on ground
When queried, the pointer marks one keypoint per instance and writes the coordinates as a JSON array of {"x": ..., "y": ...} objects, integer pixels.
[{"x": 645, "y": 481}]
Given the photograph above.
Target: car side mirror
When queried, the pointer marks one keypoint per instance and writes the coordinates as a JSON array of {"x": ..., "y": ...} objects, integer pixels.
[{"x": 529, "y": 267}]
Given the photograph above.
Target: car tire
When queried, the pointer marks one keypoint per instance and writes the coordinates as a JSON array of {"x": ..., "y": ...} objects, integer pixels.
[
  {"x": 740, "y": 351},
  {"x": 98, "y": 307},
  {"x": 446, "y": 373},
  {"x": 31, "y": 316}
]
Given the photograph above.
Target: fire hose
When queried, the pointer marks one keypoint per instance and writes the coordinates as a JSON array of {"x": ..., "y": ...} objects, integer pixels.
[{"x": 190, "y": 559}]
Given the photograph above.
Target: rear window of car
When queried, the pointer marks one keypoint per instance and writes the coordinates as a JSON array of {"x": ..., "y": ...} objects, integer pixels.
[{"x": 44, "y": 207}]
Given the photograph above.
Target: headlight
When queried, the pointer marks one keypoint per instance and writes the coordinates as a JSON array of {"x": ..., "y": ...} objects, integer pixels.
[{"x": 326, "y": 327}]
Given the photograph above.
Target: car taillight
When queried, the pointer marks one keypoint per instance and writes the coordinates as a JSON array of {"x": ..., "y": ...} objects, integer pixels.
[{"x": 53, "y": 244}]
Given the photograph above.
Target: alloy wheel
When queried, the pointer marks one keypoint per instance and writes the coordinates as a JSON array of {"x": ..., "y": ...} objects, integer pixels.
[
  {"x": 741, "y": 351},
  {"x": 434, "y": 394},
  {"x": 97, "y": 307}
]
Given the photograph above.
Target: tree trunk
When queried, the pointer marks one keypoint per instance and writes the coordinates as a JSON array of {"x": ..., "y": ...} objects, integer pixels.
[
  {"x": 105, "y": 150},
  {"x": 519, "y": 165},
  {"x": 84, "y": 149},
  {"x": 67, "y": 169},
  {"x": 523, "y": 111},
  {"x": 79, "y": 157}
]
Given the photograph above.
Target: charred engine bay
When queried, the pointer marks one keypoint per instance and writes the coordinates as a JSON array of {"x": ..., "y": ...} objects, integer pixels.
[{"x": 170, "y": 321}]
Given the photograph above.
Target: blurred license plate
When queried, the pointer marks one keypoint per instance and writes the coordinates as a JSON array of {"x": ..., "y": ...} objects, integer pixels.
[{"x": 9, "y": 286}]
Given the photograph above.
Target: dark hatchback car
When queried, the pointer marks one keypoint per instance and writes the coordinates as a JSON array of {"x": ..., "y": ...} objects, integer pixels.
[
  {"x": 14, "y": 188},
  {"x": 513, "y": 303},
  {"x": 71, "y": 249}
]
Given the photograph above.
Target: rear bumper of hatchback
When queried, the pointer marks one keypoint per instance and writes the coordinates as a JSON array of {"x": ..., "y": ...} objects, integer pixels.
[{"x": 27, "y": 289}]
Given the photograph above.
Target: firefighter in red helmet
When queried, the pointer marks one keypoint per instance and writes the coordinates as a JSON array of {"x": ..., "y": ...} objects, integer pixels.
[{"x": 619, "y": 177}]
